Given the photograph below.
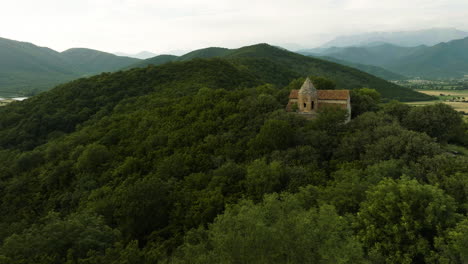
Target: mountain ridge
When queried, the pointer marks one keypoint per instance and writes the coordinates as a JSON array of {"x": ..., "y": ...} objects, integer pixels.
[
  {"x": 444, "y": 60},
  {"x": 294, "y": 65},
  {"x": 413, "y": 38},
  {"x": 27, "y": 68}
]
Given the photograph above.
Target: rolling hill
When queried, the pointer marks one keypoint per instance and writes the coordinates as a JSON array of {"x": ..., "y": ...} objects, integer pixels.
[
  {"x": 25, "y": 67},
  {"x": 279, "y": 66},
  {"x": 90, "y": 62}
]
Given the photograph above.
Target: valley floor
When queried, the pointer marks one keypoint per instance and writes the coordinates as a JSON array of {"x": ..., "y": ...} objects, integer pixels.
[{"x": 458, "y": 99}]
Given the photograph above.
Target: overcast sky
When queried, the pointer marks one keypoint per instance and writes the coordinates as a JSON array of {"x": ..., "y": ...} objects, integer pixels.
[{"x": 165, "y": 25}]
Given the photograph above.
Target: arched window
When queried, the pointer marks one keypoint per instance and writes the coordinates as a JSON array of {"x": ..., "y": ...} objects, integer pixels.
[
  {"x": 305, "y": 105},
  {"x": 312, "y": 105}
]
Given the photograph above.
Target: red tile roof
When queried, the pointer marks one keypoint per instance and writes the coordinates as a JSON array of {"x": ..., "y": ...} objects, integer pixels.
[
  {"x": 294, "y": 94},
  {"x": 333, "y": 94},
  {"x": 325, "y": 94}
]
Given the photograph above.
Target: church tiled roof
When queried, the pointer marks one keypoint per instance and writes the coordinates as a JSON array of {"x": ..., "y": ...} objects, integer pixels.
[
  {"x": 325, "y": 94},
  {"x": 333, "y": 94},
  {"x": 294, "y": 94}
]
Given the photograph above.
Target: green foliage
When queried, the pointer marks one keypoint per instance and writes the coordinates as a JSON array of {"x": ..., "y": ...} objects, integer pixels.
[
  {"x": 93, "y": 157},
  {"x": 439, "y": 120},
  {"x": 396, "y": 109},
  {"x": 323, "y": 83},
  {"x": 364, "y": 100},
  {"x": 57, "y": 239},
  {"x": 263, "y": 178},
  {"x": 278, "y": 230},
  {"x": 400, "y": 220},
  {"x": 274, "y": 135},
  {"x": 454, "y": 246}
]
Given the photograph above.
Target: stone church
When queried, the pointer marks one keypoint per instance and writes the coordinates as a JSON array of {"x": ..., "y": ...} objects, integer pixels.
[{"x": 308, "y": 100}]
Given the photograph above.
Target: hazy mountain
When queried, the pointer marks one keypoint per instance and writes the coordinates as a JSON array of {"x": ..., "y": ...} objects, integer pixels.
[
  {"x": 272, "y": 64},
  {"x": 89, "y": 62},
  {"x": 374, "y": 70},
  {"x": 444, "y": 60},
  {"x": 25, "y": 67},
  {"x": 140, "y": 55},
  {"x": 380, "y": 55},
  {"x": 427, "y": 37}
]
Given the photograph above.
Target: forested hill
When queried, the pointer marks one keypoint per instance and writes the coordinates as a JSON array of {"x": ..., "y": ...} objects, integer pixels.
[
  {"x": 273, "y": 64},
  {"x": 62, "y": 109},
  {"x": 23, "y": 65},
  {"x": 88, "y": 61},
  {"x": 198, "y": 162},
  {"x": 27, "y": 68}
]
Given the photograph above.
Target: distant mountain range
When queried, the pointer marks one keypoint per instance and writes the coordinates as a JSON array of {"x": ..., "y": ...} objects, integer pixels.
[
  {"x": 142, "y": 55},
  {"x": 371, "y": 69},
  {"x": 444, "y": 60},
  {"x": 25, "y": 67},
  {"x": 428, "y": 37}
]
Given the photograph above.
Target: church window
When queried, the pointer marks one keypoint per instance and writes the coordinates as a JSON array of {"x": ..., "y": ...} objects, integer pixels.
[
  {"x": 305, "y": 105},
  {"x": 312, "y": 105}
]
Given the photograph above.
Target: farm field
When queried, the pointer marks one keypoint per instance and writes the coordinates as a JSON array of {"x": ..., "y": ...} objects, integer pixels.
[
  {"x": 446, "y": 93},
  {"x": 453, "y": 98}
]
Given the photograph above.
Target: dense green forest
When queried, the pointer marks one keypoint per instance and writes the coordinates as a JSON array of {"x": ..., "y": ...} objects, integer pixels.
[{"x": 198, "y": 162}]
